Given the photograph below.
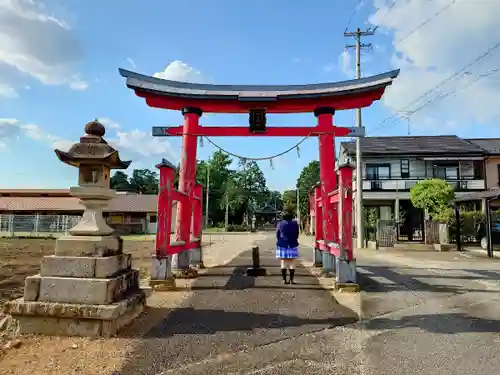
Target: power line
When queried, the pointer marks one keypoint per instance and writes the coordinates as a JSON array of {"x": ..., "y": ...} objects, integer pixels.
[
  {"x": 446, "y": 80},
  {"x": 428, "y": 20},
  {"x": 354, "y": 12},
  {"x": 386, "y": 14},
  {"x": 441, "y": 97}
]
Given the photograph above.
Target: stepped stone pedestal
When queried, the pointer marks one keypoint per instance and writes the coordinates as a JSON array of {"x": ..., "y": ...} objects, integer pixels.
[
  {"x": 88, "y": 288},
  {"x": 79, "y": 296}
]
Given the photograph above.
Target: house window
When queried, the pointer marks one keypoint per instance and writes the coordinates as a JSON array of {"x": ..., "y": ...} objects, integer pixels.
[
  {"x": 152, "y": 219},
  {"x": 405, "y": 168},
  {"x": 498, "y": 168},
  {"x": 385, "y": 212},
  {"x": 446, "y": 172},
  {"x": 378, "y": 171}
]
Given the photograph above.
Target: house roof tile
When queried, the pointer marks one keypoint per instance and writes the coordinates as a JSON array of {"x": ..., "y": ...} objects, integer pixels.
[
  {"x": 490, "y": 145},
  {"x": 122, "y": 203},
  {"x": 442, "y": 144}
]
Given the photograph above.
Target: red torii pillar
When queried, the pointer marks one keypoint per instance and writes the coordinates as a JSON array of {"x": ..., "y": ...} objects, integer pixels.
[
  {"x": 187, "y": 181},
  {"x": 328, "y": 183}
]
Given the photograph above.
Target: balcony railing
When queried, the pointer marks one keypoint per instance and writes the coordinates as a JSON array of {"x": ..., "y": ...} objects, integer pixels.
[{"x": 407, "y": 184}]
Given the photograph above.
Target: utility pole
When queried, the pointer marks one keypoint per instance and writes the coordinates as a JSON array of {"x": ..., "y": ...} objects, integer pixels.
[
  {"x": 207, "y": 193},
  {"x": 298, "y": 206},
  {"x": 226, "y": 217},
  {"x": 359, "y": 163}
]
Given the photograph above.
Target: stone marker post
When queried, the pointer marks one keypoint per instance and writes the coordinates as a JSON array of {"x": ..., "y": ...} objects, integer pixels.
[{"x": 88, "y": 288}]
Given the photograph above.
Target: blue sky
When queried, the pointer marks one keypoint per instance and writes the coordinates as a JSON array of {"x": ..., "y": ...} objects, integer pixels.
[{"x": 59, "y": 65}]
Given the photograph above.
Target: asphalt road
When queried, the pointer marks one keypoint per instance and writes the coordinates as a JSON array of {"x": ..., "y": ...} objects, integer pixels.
[{"x": 422, "y": 314}]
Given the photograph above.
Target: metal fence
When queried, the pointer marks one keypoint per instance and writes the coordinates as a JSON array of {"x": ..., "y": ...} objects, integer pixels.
[{"x": 36, "y": 225}]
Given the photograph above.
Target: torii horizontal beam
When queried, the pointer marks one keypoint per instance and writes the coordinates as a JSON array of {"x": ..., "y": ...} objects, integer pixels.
[{"x": 239, "y": 131}]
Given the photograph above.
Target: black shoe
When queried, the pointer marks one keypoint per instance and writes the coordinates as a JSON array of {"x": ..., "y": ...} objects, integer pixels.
[
  {"x": 283, "y": 274},
  {"x": 292, "y": 274}
]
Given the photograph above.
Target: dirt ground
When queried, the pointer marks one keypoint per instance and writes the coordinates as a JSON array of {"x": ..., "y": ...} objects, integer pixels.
[{"x": 21, "y": 257}]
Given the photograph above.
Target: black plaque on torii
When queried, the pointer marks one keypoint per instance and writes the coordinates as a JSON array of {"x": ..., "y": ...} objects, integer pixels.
[{"x": 257, "y": 120}]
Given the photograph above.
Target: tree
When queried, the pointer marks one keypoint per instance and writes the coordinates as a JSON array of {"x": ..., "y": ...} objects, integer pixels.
[
  {"x": 144, "y": 181},
  {"x": 434, "y": 196},
  {"x": 250, "y": 179},
  {"x": 119, "y": 181},
  {"x": 275, "y": 200},
  {"x": 290, "y": 200},
  {"x": 308, "y": 178}
]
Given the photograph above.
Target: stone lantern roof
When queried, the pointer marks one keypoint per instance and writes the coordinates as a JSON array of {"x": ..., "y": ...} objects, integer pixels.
[{"x": 93, "y": 149}]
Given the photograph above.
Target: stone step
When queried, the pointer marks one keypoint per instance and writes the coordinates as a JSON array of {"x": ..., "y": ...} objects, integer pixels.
[
  {"x": 96, "y": 291},
  {"x": 413, "y": 246},
  {"x": 86, "y": 267},
  {"x": 51, "y": 318}
]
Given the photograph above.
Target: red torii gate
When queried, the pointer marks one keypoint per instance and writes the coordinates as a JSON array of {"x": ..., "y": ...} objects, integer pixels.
[{"x": 321, "y": 99}]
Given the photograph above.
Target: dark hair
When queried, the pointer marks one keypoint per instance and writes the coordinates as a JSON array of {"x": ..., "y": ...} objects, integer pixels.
[{"x": 288, "y": 215}]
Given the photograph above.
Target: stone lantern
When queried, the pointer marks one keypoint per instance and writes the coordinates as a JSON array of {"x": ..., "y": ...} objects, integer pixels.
[
  {"x": 94, "y": 158},
  {"x": 88, "y": 288}
]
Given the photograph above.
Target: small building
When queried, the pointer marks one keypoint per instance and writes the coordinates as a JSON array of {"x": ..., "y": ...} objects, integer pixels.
[
  {"x": 491, "y": 146},
  {"x": 127, "y": 213},
  {"x": 266, "y": 216},
  {"x": 393, "y": 165}
]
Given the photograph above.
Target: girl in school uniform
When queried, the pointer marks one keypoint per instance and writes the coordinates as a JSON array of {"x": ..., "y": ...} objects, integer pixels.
[{"x": 287, "y": 245}]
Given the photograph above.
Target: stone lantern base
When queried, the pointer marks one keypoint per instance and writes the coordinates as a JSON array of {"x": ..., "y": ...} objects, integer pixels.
[{"x": 77, "y": 295}]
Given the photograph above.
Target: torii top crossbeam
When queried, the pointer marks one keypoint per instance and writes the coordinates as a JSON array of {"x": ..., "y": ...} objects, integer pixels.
[{"x": 175, "y": 95}]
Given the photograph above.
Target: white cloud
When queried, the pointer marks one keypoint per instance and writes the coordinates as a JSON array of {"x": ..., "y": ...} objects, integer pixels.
[
  {"x": 8, "y": 92},
  {"x": 34, "y": 131},
  {"x": 439, "y": 49},
  {"x": 139, "y": 143},
  {"x": 108, "y": 123},
  {"x": 9, "y": 128},
  {"x": 39, "y": 44},
  {"x": 346, "y": 64},
  {"x": 180, "y": 71}
]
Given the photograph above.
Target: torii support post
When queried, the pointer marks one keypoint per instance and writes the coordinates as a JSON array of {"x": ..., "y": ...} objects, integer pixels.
[
  {"x": 162, "y": 276},
  {"x": 161, "y": 267},
  {"x": 318, "y": 230},
  {"x": 345, "y": 264},
  {"x": 196, "y": 259}
]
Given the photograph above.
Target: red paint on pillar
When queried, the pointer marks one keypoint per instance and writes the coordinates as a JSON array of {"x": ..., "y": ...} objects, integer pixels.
[
  {"x": 345, "y": 182},
  {"x": 197, "y": 211},
  {"x": 327, "y": 173},
  {"x": 319, "y": 215},
  {"x": 165, "y": 200},
  {"x": 187, "y": 174}
]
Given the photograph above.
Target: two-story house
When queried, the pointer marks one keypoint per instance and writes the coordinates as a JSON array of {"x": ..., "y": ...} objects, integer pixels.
[
  {"x": 491, "y": 146},
  {"x": 392, "y": 165}
]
